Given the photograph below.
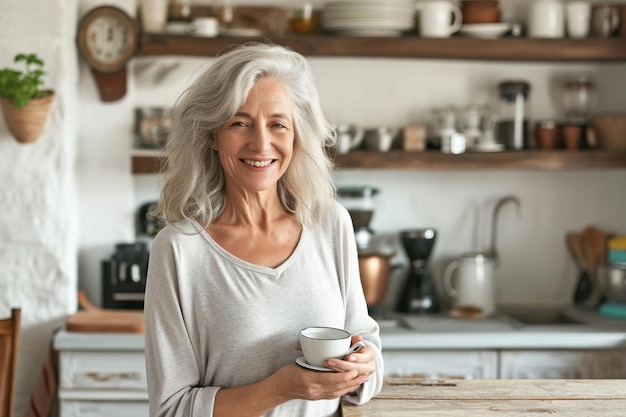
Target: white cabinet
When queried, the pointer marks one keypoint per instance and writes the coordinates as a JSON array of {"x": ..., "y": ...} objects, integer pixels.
[
  {"x": 471, "y": 364},
  {"x": 101, "y": 375},
  {"x": 563, "y": 364},
  {"x": 507, "y": 364}
]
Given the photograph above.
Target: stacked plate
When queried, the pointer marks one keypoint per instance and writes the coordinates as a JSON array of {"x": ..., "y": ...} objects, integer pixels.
[{"x": 369, "y": 17}]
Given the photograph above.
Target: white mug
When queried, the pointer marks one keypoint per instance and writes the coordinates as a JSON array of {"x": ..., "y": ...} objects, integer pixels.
[
  {"x": 322, "y": 343},
  {"x": 153, "y": 15},
  {"x": 578, "y": 19},
  {"x": 546, "y": 19},
  {"x": 204, "y": 26},
  {"x": 439, "y": 19},
  {"x": 474, "y": 284}
]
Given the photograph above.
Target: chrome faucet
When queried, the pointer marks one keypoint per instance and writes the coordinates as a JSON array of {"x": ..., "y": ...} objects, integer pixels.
[{"x": 492, "y": 251}]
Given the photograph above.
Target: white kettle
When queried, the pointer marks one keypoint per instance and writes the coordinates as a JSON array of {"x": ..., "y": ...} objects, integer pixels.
[{"x": 474, "y": 283}]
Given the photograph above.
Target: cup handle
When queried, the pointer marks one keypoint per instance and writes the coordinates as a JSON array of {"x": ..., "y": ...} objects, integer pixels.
[
  {"x": 447, "y": 279},
  {"x": 457, "y": 20},
  {"x": 355, "y": 348}
]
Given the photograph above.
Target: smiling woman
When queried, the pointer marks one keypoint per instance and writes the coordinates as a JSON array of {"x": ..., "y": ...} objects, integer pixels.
[{"x": 256, "y": 248}]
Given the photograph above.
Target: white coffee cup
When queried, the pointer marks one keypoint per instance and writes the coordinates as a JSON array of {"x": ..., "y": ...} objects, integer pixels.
[
  {"x": 322, "y": 343},
  {"x": 153, "y": 15},
  {"x": 439, "y": 18},
  {"x": 546, "y": 19},
  {"x": 578, "y": 19},
  {"x": 207, "y": 27}
]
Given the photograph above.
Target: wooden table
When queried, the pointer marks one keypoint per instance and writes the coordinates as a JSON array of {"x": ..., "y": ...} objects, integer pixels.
[{"x": 411, "y": 397}]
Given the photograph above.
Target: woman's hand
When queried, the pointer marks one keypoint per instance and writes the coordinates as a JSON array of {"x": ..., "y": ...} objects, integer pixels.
[
  {"x": 362, "y": 361},
  {"x": 293, "y": 382}
]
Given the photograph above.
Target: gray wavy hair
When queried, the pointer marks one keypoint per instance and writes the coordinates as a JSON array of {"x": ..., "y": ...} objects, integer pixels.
[{"x": 193, "y": 178}]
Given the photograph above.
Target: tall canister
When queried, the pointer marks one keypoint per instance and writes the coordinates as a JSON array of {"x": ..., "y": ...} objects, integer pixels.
[{"x": 513, "y": 126}]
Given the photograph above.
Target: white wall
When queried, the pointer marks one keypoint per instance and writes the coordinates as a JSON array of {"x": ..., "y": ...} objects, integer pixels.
[{"x": 38, "y": 204}]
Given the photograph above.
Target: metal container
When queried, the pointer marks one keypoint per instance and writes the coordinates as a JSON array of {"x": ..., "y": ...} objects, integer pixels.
[
  {"x": 375, "y": 269},
  {"x": 612, "y": 282}
]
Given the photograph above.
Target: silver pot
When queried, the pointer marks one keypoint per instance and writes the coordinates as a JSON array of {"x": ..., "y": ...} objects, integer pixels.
[{"x": 612, "y": 282}]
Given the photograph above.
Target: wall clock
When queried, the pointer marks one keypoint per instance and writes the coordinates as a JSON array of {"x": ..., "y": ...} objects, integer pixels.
[{"x": 107, "y": 39}]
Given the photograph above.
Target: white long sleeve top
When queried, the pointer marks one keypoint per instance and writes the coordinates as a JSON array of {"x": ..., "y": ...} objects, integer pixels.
[{"x": 215, "y": 321}]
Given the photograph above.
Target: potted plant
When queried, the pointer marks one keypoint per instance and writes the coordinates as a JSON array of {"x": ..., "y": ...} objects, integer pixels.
[{"x": 24, "y": 102}]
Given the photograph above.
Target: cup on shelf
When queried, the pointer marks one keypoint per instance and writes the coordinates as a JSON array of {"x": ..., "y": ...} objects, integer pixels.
[
  {"x": 207, "y": 27},
  {"x": 578, "y": 19},
  {"x": 546, "y": 19},
  {"x": 439, "y": 19},
  {"x": 605, "y": 19},
  {"x": 153, "y": 15},
  {"x": 303, "y": 20},
  {"x": 571, "y": 136}
]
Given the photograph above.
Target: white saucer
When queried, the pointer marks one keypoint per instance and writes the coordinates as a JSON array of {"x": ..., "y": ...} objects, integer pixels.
[
  {"x": 485, "y": 30},
  {"x": 303, "y": 363},
  {"x": 488, "y": 147}
]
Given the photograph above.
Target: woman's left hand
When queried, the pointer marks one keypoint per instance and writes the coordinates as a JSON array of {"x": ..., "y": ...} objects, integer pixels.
[{"x": 362, "y": 361}]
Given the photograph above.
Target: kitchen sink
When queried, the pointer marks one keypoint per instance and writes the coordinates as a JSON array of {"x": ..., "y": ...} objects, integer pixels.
[{"x": 532, "y": 315}]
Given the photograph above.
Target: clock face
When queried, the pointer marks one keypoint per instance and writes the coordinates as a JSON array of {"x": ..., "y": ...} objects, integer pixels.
[{"x": 107, "y": 38}]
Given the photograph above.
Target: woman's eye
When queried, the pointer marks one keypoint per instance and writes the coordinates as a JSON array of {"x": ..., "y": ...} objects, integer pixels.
[{"x": 238, "y": 124}]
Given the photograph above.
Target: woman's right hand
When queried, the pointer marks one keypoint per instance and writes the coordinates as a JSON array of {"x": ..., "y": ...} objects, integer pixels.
[{"x": 295, "y": 382}]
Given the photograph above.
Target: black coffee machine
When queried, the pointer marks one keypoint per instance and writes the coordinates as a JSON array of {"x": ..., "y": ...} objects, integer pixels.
[
  {"x": 124, "y": 276},
  {"x": 418, "y": 294}
]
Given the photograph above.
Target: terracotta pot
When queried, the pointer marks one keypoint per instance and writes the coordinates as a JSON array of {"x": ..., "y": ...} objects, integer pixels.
[
  {"x": 26, "y": 123},
  {"x": 611, "y": 130}
]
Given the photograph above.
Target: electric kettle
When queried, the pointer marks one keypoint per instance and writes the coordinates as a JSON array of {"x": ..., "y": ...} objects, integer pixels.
[{"x": 474, "y": 283}]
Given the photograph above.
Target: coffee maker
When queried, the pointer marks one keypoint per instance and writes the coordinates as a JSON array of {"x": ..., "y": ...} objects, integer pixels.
[
  {"x": 418, "y": 296},
  {"x": 124, "y": 276}
]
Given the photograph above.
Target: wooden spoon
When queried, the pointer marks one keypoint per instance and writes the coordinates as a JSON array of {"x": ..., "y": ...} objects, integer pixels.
[
  {"x": 574, "y": 246},
  {"x": 583, "y": 286}
]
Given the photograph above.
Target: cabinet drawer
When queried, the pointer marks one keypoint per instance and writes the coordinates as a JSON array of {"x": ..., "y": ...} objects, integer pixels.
[
  {"x": 103, "y": 370},
  {"x": 104, "y": 409},
  {"x": 441, "y": 364}
]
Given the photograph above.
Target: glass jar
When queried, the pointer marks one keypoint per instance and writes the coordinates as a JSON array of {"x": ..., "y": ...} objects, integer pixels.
[
  {"x": 513, "y": 126},
  {"x": 578, "y": 95}
]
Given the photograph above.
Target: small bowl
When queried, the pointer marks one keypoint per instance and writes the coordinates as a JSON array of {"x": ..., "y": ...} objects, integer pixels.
[{"x": 480, "y": 11}]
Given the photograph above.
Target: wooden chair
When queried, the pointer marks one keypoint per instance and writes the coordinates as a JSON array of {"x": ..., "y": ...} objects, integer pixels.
[{"x": 9, "y": 340}]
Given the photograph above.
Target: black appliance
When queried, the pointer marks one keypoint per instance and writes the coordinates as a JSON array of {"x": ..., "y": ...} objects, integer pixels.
[
  {"x": 418, "y": 294},
  {"x": 147, "y": 223},
  {"x": 124, "y": 276}
]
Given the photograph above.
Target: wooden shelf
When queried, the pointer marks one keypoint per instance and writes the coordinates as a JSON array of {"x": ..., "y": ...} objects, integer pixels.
[
  {"x": 503, "y": 49},
  {"x": 526, "y": 160},
  {"x": 553, "y": 160}
]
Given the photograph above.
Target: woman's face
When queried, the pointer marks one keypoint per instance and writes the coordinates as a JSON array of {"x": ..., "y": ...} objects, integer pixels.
[{"x": 256, "y": 145}]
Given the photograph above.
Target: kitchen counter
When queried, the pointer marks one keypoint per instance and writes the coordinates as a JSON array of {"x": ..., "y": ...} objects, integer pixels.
[
  {"x": 524, "y": 337},
  {"x": 414, "y": 397},
  {"x": 577, "y": 329},
  {"x": 584, "y": 331}
]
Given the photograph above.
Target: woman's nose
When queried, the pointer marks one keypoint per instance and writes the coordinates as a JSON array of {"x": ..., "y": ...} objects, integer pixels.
[{"x": 260, "y": 140}]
